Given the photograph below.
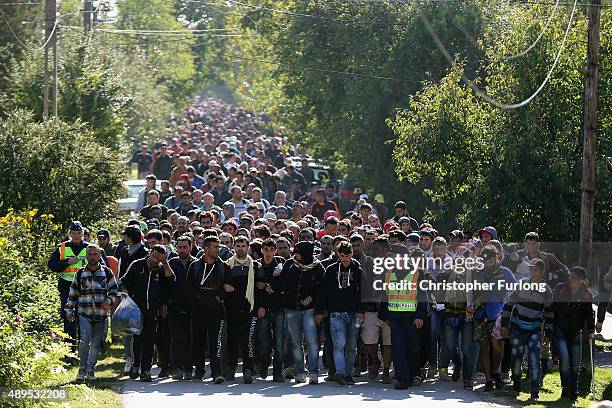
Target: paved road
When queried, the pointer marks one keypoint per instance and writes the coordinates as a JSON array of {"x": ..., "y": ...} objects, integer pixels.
[
  {"x": 268, "y": 394},
  {"x": 432, "y": 394}
]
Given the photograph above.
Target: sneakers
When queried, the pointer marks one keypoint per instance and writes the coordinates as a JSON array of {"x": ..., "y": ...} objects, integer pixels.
[
  {"x": 386, "y": 377},
  {"x": 219, "y": 379},
  {"x": 81, "y": 377},
  {"x": 289, "y": 373},
  {"x": 467, "y": 385},
  {"x": 402, "y": 385},
  {"x": 263, "y": 371},
  {"x": 127, "y": 367},
  {"x": 349, "y": 380},
  {"x": 456, "y": 374},
  {"x": 177, "y": 374},
  {"x": 340, "y": 379},
  {"x": 499, "y": 383},
  {"x": 443, "y": 374},
  {"x": 164, "y": 373},
  {"x": 300, "y": 378},
  {"x": 90, "y": 376},
  {"x": 247, "y": 377},
  {"x": 431, "y": 373},
  {"x": 331, "y": 377},
  {"x": 145, "y": 376},
  {"x": 313, "y": 379},
  {"x": 373, "y": 371},
  {"x": 199, "y": 376},
  {"x": 489, "y": 386},
  {"x": 134, "y": 373}
]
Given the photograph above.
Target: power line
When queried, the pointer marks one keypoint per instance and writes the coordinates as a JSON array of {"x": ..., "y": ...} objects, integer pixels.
[
  {"x": 23, "y": 44},
  {"x": 531, "y": 47},
  {"x": 475, "y": 88}
]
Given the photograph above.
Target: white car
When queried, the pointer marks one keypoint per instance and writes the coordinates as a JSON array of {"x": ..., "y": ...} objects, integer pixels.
[{"x": 128, "y": 204}]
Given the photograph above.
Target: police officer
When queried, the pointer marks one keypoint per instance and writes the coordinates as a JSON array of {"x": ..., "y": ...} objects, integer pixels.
[
  {"x": 404, "y": 310},
  {"x": 66, "y": 260}
]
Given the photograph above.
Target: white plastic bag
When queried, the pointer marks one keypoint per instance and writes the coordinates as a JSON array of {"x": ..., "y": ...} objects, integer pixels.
[{"x": 127, "y": 318}]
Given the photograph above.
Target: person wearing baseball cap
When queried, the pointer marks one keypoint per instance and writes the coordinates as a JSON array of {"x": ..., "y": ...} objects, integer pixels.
[
  {"x": 486, "y": 234},
  {"x": 104, "y": 241},
  {"x": 487, "y": 326},
  {"x": 66, "y": 260},
  {"x": 381, "y": 210}
]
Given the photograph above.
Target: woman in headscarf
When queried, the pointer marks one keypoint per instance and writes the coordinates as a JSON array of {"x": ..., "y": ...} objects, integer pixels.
[{"x": 301, "y": 279}]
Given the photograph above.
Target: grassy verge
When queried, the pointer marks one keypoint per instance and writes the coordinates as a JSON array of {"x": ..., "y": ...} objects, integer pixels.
[
  {"x": 102, "y": 392},
  {"x": 550, "y": 392}
]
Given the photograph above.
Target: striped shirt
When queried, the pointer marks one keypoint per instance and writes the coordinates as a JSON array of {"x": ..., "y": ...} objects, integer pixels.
[
  {"x": 530, "y": 307},
  {"x": 89, "y": 290}
]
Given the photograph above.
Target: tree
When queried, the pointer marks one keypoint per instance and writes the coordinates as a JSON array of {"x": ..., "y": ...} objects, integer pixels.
[
  {"x": 517, "y": 169},
  {"x": 57, "y": 167},
  {"x": 99, "y": 84}
]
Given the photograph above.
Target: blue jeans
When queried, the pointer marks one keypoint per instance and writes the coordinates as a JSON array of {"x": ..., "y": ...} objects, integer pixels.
[
  {"x": 271, "y": 334},
  {"x": 301, "y": 326},
  {"x": 569, "y": 350},
  {"x": 533, "y": 339},
  {"x": 438, "y": 343},
  {"x": 466, "y": 329},
  {"x": 344, "y": 339},
  {"x": 92, "y": 335}
]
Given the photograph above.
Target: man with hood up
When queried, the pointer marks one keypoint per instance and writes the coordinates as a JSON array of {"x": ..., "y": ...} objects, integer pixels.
[{"x": 301, "y": 278}]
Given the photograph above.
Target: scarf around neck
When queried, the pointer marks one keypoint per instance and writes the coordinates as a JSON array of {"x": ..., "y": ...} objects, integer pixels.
[{"x": 250, "y": 289}]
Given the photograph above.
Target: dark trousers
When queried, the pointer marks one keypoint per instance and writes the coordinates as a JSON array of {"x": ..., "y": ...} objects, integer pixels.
[
  {"x": 425, "y": 345},
  {"x": 405, "y": 346},
  {"x": 145, "y": 341},
  {"x": 271, "y": 336},
  {"x": 180, "y": 341},
  {"x": 163, "y": 342},
  {"x": 208, "y": 331},
  {"x": 241, "y": 326},
  {"x": 328, "y": 348},
  {"x": 70, "y": 328}
]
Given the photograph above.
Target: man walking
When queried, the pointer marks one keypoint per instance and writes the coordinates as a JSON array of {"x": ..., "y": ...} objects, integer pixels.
[{"x": 94, "y": 291}]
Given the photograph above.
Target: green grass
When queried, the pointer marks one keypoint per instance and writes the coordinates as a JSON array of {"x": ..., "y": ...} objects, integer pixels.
[
  {"x": 102, "y": 392},
  {"x": 550, "y": 392}
]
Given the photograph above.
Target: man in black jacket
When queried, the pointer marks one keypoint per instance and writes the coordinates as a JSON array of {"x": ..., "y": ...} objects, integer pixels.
[
  {"x": 205, "y": 287},
  {"x": 133, "y": 250},
  {"x": 148, "y": 282},
  {"x": 301, "y": 277},
  {"x": 179, "y": 312},
  {"x": 270, "y": 328},
  {"x": 340, "y": 297}
]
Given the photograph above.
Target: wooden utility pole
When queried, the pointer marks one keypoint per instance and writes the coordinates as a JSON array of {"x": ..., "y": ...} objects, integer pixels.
[
  {"x": 87, "y": 12},
  {"x": 50, "y": 66},
  {"x": 590, "y": 133}
]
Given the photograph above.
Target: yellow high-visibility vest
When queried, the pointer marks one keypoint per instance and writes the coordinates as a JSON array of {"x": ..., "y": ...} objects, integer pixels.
[
  {"x": 67, "y": 253},
  {"x": 402, "y": 300}
]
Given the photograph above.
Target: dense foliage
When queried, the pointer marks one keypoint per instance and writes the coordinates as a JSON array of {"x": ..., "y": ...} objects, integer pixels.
[
  {"x": 518, "y": 169},
  {"x": 58, "y": 168},
  {"x": 30, "y": 337}
]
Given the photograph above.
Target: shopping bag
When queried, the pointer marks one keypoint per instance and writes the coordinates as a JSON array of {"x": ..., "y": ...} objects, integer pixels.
[{"x": 127, "y": 318}]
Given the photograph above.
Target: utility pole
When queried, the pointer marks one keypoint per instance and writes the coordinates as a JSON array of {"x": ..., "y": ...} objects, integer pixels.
[
  {"x": 590, "y": 133},
  {"x": 50, "y": 73},
  {"x": 87, "y": 12}
]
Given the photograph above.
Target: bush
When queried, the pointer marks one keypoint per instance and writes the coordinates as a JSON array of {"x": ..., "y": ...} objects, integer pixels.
[
  {"x": 58, "y": 168},
  {"x": 31, "y": 343}
]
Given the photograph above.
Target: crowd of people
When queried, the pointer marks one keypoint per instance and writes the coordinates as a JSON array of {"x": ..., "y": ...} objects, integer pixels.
[{"x": 238, "y": 253}]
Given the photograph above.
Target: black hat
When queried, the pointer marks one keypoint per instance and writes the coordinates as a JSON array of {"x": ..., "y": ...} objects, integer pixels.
[
  {"x": 132, "y": 232},
  {"x": 75, "y": 226},
  {"x": 456, "y": 234},
  {"x": 414, "y": 237},
  {"x": 401, "y": 204},
  {"x": 104, "y": 233}
]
